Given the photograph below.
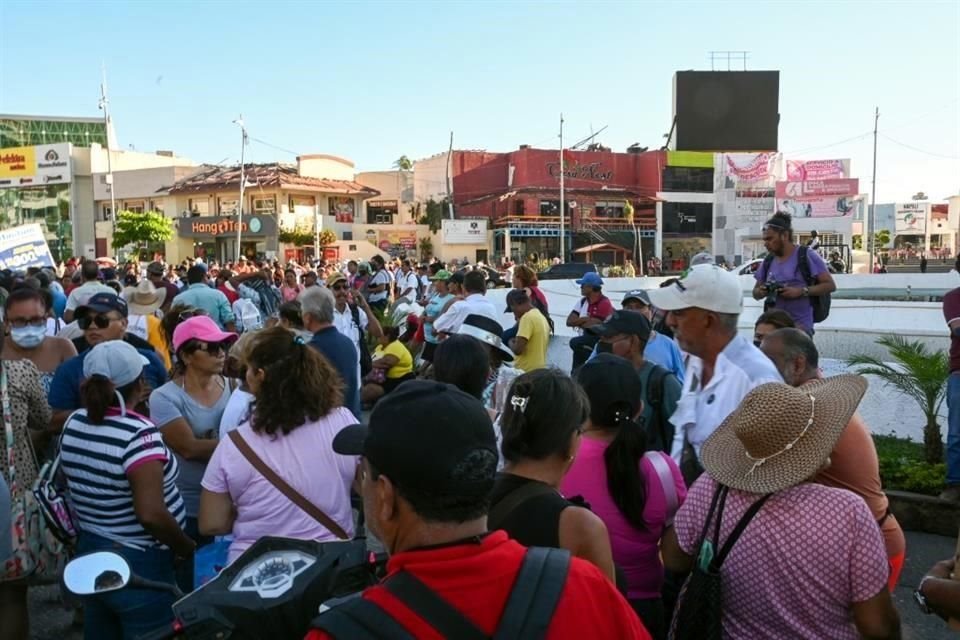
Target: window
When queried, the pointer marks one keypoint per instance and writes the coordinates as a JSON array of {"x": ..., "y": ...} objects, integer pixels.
[
  {"x": 348, "y": 235},
  {"x": 302, "y": 205},
  {"x": 227, "y": 206},
  {"x": 682, "y": 217},
  {"x": 382, "y": 218},
  {"x": 518, "y": 207},
  {"x": 264, "y": 206},
  {"x": 199, "y": 206},
  {"x": 692, "y": 179},
  {"x": 136, "y": 206},
  {"x": 608, "y": 209},
  {"x": 381, "y": 211},
  {"x": 107, "y": 214},
  {"x": 156, "y": 205}
]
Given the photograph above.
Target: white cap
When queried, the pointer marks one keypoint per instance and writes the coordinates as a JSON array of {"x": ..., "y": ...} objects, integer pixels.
[
  {"x": 704, "y": 257},
  {"x": 705, "y": 286},
  {"x": 116, "y": 360}
]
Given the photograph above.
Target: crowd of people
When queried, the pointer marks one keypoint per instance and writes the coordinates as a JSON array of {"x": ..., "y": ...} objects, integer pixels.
[{"x": 179, "y": 401}]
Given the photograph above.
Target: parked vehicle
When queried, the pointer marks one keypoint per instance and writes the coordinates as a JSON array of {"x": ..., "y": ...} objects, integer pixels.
[
  {"x": 567, "y": 271},
  {"x": 495, "y": 279}
]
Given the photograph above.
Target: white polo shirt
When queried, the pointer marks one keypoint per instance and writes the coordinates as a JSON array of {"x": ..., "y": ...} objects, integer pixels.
[
  {"x": 380, "y": 277},
  {"x": 740, "y": 368},
  {"x": 453, "y": 317},
  {"x": 344, "y": 323}
]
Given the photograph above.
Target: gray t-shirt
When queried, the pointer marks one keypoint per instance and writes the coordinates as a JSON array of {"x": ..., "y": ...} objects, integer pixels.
[
  {"x": 170, "y": 402},
  {"x": 6, "y": 544}
]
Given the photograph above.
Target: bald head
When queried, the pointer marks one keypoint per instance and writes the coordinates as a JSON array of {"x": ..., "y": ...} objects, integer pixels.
[{"x": 794, "y": 354}]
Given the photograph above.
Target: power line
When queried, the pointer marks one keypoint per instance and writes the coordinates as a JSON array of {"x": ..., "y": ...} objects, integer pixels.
[
  {"x": 832, "y": 144},
  {"x": 929, "y": 153},
  {"x": 273, "y": 146}
]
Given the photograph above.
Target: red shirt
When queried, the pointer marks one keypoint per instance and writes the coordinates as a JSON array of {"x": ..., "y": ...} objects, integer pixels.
[
  {"x": 476, "y": 579},
  {"x": 232, "y": 296},
  {"x": 601, "y": 309},
  {"x": 951, "y": 311}
]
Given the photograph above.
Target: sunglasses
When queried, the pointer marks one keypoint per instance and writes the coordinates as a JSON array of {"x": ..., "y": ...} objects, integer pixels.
[
  {"x": 340, "y": 286},
  {"x": 211, "y": 348},
  {"x": 101, "y": 321}
]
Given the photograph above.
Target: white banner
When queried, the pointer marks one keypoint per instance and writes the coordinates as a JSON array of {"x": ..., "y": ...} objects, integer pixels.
[
  {"x": 35, "y": 166},
  {"x": 23, "y": 247},
  {"x": 464, "y": 231}
]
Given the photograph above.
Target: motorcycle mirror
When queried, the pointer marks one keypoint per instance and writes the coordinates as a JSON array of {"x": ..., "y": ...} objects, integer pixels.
[{"x": 97, "y": 572}]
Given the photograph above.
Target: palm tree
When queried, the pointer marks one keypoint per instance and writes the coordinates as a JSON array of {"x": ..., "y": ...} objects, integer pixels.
[
  {"x": 403, "y": 163},
  {"x": 918, "y": 373}
]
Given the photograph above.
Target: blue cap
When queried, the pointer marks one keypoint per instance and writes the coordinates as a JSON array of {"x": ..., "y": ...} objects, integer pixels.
[{"x": 591, "y": 279}]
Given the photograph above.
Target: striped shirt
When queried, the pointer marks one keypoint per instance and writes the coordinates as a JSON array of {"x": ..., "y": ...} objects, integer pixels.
[{"x": 96, "y": 459}]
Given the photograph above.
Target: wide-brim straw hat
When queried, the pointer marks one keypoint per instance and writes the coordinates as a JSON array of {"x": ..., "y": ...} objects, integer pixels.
[
  {"x": 144, "y": 299},
  {"x": 780, "y": 435}
]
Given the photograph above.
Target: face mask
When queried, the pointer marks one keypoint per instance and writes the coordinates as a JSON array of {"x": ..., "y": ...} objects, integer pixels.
[
  {"x": 604, "y": 347},
  {"x": 28, "y": 337}
]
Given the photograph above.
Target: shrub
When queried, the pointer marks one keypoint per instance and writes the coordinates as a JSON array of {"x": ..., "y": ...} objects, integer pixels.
[{"x": 902, "y": 466}]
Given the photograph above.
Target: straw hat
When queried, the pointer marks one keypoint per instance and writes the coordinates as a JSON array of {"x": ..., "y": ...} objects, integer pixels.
[
  {"x": 781, "y": 435},
  {"x": 144, "y": 299}
]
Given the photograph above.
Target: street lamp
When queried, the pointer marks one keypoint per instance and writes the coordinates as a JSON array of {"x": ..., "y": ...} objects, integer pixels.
[{"x": 243, "y": 144}]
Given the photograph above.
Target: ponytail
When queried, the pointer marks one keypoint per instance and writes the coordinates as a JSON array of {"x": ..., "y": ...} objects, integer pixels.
[
  {"x": 622, "y": 460},
  {"x": 97, "y": 395}
]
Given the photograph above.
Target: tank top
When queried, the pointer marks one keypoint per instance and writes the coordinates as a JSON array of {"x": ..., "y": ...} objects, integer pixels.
[{"x": 536, "y": 522}]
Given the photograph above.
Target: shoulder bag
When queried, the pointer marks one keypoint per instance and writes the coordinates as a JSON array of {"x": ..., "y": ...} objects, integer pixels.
[{"x": 280, "y": 484}]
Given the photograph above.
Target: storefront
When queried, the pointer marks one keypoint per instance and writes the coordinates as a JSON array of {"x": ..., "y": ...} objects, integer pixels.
[{"x": 215, "y": 237}]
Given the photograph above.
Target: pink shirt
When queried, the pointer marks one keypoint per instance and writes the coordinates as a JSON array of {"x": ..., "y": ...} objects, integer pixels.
[
  {"x": 807, "y": 556},
  {"x": 635, "y": 551},
  {"x": 290, "y": 293},
  {"x": 305, "y": 460}
]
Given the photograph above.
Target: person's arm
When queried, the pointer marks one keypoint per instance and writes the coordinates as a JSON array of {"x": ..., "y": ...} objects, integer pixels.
[
  {"x": 179, "y": 436},
  {"x": 574, "y": 319},
  {"x": 70, "y": 309},
  {"x": 216, "y": 513},
  {"x": 877, "y": 618},
  {"x": 518, "y": 345},
  {"x": 146, "y": 484},
  {"x": 239, "y": 278},
  {"x": 585, "y": 536},
  {"x": 760, "y": 289},
  {"x": 674, "y": 558},
  {"x": 387, "y": 361},
  {"x": 824, "y": 281},
  {"x": 372, "y": 326},
  {"x": 448, "y": 319},
  {"x": 941, "y": 591}
]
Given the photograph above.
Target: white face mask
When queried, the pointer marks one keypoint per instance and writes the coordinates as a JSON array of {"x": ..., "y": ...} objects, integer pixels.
[{"x": 28, "y": 337}]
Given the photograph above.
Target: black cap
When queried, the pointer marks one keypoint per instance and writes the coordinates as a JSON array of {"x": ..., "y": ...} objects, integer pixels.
[
  {"x": 419, "y": 433},
  {"x": 156, "y": 268},
  {"x": 102, "y": 303},
  {"x": 623, "y": 322},
  {"x": 613, "y": 387}
]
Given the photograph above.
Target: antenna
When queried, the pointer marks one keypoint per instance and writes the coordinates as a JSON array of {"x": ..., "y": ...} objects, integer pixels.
[{"x": 717, "y": 57}]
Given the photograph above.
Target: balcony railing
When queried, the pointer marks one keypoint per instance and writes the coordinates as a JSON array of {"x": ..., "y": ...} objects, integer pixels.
[{"x": 585, "y": 222}]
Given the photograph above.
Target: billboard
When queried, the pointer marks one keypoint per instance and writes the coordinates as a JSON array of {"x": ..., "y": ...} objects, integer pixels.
[
  {"x": 342, "y": 209},
  {"x": 396, "y": 242},
  {"x": 811, "y": 188},
  {"x": 23, "y": 247},
  {"x": 35, "y": 166},
  {"x": 911, "y": 218},
  {"x": 801, "y": 170},
  {"x": 464, "y": 231},
  {"x": 726, "y": 110},
  {"x": 817, "y": 206}
]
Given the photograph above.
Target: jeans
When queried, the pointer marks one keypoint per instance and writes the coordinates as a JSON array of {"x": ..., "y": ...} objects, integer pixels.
[
  {"x": 582, "y": 347},
  {"x": 651, "y": 615},
  {"x": 185, "y": 568},
  {"x": 953, "y": 428},
  {"x": 128, "y": 613}
]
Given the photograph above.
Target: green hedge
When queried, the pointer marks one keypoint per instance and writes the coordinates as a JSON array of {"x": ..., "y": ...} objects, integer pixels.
[{"x": 902, "y": 466}]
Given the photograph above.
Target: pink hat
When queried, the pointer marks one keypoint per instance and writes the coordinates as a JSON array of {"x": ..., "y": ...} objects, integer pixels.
[{"x": 199, "y": 328}]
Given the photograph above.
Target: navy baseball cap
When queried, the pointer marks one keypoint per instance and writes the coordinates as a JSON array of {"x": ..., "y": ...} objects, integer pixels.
[
  {"x": 103, "y": 303},
  {"x": 420, "y": 433},
  {"x": 623, "y": 322}
]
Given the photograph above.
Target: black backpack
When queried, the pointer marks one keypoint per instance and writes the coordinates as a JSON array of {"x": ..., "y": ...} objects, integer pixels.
[
  {"x": 821, "y": 303},
  {"x": 366, "y": 360},
  {"x": 527, "y": 614},
  {"x": 660, "y": 426}
]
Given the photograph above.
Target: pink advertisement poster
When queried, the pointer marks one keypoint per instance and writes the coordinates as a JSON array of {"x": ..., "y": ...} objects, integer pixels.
[
  {"x": 749, "y": 169},
  {"x": 817, "y": 206},
  {"x": 803, "y": 170},
  {"x": 828, "y": 187}
]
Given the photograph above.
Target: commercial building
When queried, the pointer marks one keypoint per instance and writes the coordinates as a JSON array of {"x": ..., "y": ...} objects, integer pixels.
[{"x": 919, "y": 225}]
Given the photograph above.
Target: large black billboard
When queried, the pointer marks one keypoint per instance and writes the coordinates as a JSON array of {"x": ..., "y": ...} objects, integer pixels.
[{"x": 726, "y": 110}]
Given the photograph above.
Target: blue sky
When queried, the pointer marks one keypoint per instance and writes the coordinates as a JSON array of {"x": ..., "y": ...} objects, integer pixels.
[{"x": 372, "y": 81}]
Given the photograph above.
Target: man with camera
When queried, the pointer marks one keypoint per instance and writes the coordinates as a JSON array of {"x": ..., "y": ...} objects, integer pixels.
[{"x": 780, "y": 278}]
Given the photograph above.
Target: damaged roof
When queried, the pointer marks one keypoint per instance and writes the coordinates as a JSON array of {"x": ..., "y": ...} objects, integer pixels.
[{"x": 275, "y": 175}]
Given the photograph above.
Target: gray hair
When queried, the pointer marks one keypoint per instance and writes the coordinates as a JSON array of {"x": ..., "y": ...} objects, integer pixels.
[
  {"x": 318, "y": 302},
  {"x": 796, "y": 343},
  {"x": 729, "y": 321}
]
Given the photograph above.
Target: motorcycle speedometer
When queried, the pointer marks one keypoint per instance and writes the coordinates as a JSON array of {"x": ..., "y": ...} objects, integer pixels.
[{"x": 271, "y": 575}]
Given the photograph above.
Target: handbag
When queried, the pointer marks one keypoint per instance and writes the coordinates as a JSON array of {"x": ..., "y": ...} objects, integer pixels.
[
  {"x": 38, "y": 556},
  {"x": 281, "y": 485},
  {"x": 209, "y": 560},
  {"x": 376, "y": 376},
  {"x": 699, "y": 612},
  {"x": 53, "y": 498}
]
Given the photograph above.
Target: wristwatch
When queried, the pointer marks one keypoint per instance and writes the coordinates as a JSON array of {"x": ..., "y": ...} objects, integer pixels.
[
  {"x": 920, "y": 599},
  {"x": 806, "y": 292}
]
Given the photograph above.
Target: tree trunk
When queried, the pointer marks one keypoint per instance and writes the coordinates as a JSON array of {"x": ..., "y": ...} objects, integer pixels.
[{"x": 932, "y": 442}]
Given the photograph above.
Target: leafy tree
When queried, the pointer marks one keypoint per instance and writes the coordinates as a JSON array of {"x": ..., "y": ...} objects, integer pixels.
[
  {"x": 881, "y": 238},
  {"x": 403, "y": 163},
  {"x": 858, "y": 243},
  {"x": 426, "y": 248},
  {"x": 327, "y": 237},
  {"x": 433, "y": 217},
  {"x": 918, "y": 373},
  {"x": 141, "y": 229}
]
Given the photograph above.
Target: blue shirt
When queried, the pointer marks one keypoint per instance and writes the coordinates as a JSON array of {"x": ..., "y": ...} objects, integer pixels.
[
  {"x": 339, "y": 350},
  {"x": 660, "y": 350},
  {"x": 213, "y": 302},
  {"x": 65, "y": 388},
  {"x": 59, "y": 302}
]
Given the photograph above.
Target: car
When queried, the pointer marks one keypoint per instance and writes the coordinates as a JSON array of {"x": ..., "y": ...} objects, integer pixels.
[
  {"x": 567, "y": 271},
  {"x": 495, "y": 279},
  {"x": 749, "y": 268}
]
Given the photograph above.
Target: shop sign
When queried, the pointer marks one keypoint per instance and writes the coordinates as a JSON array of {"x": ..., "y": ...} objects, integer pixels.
[
  {"x": 206, "y": 226},
  {"x": 35, "y": 166},
  {"x": 911, "y": 218},
  {"x": 576, "y": 171},
  {"x": 24, "y": 247},
  {"x": 464, "y": 231}
]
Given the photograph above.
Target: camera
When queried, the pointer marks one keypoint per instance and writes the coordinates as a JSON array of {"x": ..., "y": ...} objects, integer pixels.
[{"x": 773, "y": 290}]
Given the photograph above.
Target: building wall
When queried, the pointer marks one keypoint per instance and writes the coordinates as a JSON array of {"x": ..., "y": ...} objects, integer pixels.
[
  {"x": 325, "y": 167},
  {"x": 392, "y": 185},
  {"x": 429, "y": 178}
]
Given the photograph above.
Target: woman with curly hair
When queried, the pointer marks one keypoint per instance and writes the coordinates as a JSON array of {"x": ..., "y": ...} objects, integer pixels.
[{"x": 297, "y": 411}]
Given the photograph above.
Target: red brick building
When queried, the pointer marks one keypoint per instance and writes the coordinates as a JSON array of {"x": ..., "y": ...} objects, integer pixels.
[{"x": 519, "y": 192}]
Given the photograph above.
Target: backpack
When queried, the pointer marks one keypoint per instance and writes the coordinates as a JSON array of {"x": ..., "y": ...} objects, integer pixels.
[
  {"x": 821, "y": 303},
  {"x": 527, "y": 613},
  {"x": 659, "y": 423},
  {"x": 246, "y": 315},
  {"x": 366, "y": 360}
]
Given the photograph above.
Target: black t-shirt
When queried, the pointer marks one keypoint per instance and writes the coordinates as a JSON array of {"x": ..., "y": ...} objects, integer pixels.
[{"x": 535, "y": 522}]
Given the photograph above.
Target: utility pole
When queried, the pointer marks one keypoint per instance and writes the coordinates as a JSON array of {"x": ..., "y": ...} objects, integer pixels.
[
  {"x": 449, "y": 190},
  {"x": 105, "y": 107},
  {"x": 563, "y": 239},
  {"x": 243, "y": 180},
  {"x": 870, "y": 221}
]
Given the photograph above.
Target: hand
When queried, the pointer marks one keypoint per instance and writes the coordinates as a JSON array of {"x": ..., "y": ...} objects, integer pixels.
[
  {"x": 762, "y": 290},
  {"x": 791, "y": 293},
  {"x": 942, "y": 570}
]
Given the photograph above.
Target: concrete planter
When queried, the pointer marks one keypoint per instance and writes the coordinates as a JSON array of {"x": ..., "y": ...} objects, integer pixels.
[{"x": 929, "y": 514}]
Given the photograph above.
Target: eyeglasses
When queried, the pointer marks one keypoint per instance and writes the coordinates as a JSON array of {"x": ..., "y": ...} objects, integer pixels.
[
  {"x": 20, "y": 323},
  {"x": 101, "y": 321}
]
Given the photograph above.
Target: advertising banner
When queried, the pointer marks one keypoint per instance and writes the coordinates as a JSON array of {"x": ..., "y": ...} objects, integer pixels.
[
  {"x": 826, "y": 187},
  {"x": 395, "y": 242},
  {"x": 817, "y": 206},
  {"x": 35, "y": 166},
  {"x": 801, "y": 170},
  {"x": 464, "y": 231},
  {"x": 23, "y": 247},
  {"x": 749, "y": 167},
  {"x": 754, "y": 205},
  {"x": 911, "y": 218},
  {"x": 342, "y": 209}
]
